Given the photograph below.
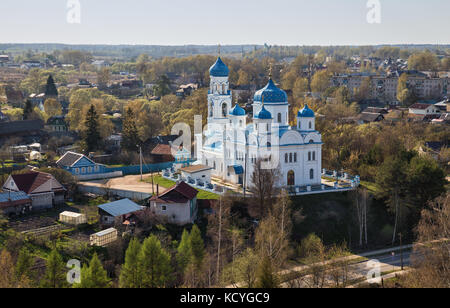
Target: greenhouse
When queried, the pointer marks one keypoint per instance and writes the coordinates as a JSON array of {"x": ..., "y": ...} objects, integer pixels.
[
  {"x": 104, "y": 237},
  {"x": 72, "y": 218}
]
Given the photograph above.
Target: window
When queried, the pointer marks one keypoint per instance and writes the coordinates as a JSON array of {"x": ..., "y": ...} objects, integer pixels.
[
  {"x": 286, "y": 158},
  {"x": 311, "y": 174},
  {"x": 164, "y": 208},
  {"x": 295, "y": 157},
  {"x": 310, "y": 125},
  {"x": 224, "y": 110},
  {"x": 77, "y": 171},
  {"x": 89, "y": 169},
  {"x": 279, "y": 118},
  {"x": 309, "y": 156},
  {"x": 269, "y": 144},
  {"x": 268, "y": 128},
  {"x": 96, "y": 168},
  {"x": 223, "y": 89},
  {"x": 314, "y": 155},
  {"x": 291, "y": 178},
  {"x": 290, "y": 157},
  {"x": 83, "y": 170}
]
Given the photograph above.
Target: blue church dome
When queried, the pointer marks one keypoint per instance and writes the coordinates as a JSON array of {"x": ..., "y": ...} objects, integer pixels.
[
  {"x": 272, "y": 94},
  {"x": 237, "y": 111},
  {"x": 306, "y": 112},
  {"x": 264, "y": 114},
  {"x": 219, "y": 69}
]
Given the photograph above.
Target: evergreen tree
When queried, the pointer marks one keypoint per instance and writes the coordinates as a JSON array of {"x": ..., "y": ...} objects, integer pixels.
[
  {"x": 50, "y": 88},
  {"x": 94, "y": 276},
  {"x": 130, "y": 275},
  {"x": 55, "y": 274},
  {"x": 266, "y": 277},
  {"x": 154, "y": 263},
  {"x": 197, "y": 247},
  {"x": 92, "y": 134},
  {"x": 24, "y": 263},
  {"x": 27, "y": 110},
  {"x": 130, "y": 137},
  {"x": 184, "y": 251}
]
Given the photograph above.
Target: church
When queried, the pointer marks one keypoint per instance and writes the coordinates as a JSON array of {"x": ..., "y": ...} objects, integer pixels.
[{"x": 232, "y": 143}]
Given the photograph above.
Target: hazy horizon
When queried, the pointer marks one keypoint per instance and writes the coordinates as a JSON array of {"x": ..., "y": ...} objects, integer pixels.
[{"x": 249, "y": 22}]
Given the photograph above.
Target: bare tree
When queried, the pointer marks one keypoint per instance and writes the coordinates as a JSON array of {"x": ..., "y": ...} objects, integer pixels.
[
  {"x": 264, "y": 187},
  {"x": 361, "y": 200}
]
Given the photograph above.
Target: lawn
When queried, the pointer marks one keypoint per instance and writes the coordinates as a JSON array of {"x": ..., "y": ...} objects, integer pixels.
[{"x": 163, "y": 182}]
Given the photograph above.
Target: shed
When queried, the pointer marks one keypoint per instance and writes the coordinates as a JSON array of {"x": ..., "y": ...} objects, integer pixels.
[
  {"x": 113, "y": 212},
  {"x": 72, "y": 218},
  {"x": 197, "y": 172},
  {"x": 103, "y": 238}
]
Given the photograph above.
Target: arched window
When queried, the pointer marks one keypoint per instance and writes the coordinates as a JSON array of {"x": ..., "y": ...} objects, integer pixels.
[
  {"x": 224, "y": 110},
  {"x": 314, "y": 156},
  {"x": 291, "y": 178},
  {"x": 268, "y": 128},
  {"x": 311, "y": 174},
  {"x": 269, "y": 144},
  {"x": 279, "y": 118},
  {"x": 295, "y": 157},
  {"x": 290, "y": 157},
  {"x": 309, "y": 156},
  {"x": 310, "y": 125},
  {"x": 286, "y": 158}
]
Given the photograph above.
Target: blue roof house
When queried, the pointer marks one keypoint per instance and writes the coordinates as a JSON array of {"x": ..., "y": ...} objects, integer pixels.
[
  {"x": 84, "y": 168},
  {"x": 117, "y": 211}
]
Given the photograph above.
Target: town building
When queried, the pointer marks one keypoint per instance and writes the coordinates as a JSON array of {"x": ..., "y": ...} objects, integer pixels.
[
  {"x": 14, "y": 203},
  {"x": 116, "y": 212},
  {"x": 84, "y": 168},
  {"x": 231, "y": 146},
  {"x": 43, "y": 189},
  {"x": 57, "y": 124},
  {"x": 384, "y": 86},
  {"x": 178, "y": 204}
]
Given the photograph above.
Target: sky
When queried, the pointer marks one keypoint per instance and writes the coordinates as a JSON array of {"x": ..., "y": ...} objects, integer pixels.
[{"x": 226, "y": 22}]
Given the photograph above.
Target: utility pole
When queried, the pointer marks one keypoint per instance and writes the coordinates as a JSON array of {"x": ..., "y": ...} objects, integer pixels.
[
  {"x": 140, "y": 160},
  {"x": 401, "y": 250}
]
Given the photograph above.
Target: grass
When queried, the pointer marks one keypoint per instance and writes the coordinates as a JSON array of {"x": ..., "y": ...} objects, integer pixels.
[
  {"x": 372, "y": 187},
  {"x": 166, "y": 183}
]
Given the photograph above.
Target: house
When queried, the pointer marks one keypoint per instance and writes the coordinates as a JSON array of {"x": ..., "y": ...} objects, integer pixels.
[
  {"x": 43, "y": 189},
  {"x": 15, "y": 203},
  {"x": 432, "y": 148},
  {"x": 369, "y": 117},
  {"x": 421, "y": 109},
  {"x": 186, "y": 89},
  {"x": 200, "y": 173},
  {"x": 164, "y": 153},
  {"x": 116, "y": 212},
  {"x": 31, "y": 64},
  {"x": 57, "y": 124},
  {"x": 376, "y": 110},
  {"x": 29, "y": 130},
  {"x": 85, "y": 168},
  {"x": 178, "y": 204}
]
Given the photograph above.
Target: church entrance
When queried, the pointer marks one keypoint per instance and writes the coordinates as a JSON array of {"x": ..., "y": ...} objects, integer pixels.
[{"x": 291, "y": 178}]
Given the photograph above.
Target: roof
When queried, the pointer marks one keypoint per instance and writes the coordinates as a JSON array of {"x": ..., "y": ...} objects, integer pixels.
[
  {"x": 195, "y": 168},
  {"x": 28, "y": 182},
  {"x": 71, "y": 214},
  {"x": 219, "y": 69},
  {"x": 162, "y": 149},
  {"x": 376, "y": 110},
  {"x": 121, "y": 207},
  {"x": 420, "y": 106},
  {"x": 237, "y": 111},
  {"x": 264, "y": 114},
  {"x": 105, "y": 232},
  {"x": 179, "y": 193},
  {"x": 371, "y": 117},
  {"x": 16, "y": 127},
  {"x": 13, "y": 196},
  {"x": 271, "y": 94},
  {"x": 70, "y": 158},
  {"x": 306, "y": 112},
  {"x": 56, "y": 120}
]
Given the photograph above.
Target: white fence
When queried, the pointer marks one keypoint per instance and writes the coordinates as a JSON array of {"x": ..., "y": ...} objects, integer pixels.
[{"x": 101, "y": 191}]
